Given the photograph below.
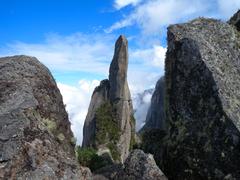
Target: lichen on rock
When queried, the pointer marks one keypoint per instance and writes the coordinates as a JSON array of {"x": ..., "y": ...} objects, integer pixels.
[
  {"x": 35, "y": 134},
  {"x": 202, "y": 101}
]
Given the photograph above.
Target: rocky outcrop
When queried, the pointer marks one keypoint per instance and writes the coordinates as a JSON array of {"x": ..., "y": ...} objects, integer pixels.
[
  {"x": 99, "y": 97},
  {"x": 202, "y": 101},
  {"x": 235, "y": 20},
  {"x": 35, "y": 137},
  {"x": 109, "y": 125},
  {"x": 156, "y": 116},
  {"x": 140, "y": 166}
]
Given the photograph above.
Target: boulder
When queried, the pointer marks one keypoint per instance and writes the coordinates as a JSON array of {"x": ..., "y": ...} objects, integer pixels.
[
  {"x": 140, "y": 166},
  {"x": 36, "y": 141},
  {"x": 202, "y": 101}
]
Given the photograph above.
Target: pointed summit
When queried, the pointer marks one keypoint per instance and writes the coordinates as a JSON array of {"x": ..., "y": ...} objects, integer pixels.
[
  {"x": 118, "y": 70},
  {"x": 110, "y": 125}
]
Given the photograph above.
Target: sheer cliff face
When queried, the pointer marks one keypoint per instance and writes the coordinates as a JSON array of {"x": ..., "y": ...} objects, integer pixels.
[
  {"x": 203, "y": 100},
  {"x": 111, "y": 102},
  {"x": 156, "y": 116},
  {"x": 35, "y": 137}
]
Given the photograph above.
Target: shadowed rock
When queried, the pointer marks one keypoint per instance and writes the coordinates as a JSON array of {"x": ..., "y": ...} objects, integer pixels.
[
  {"x": 156, "y": 116},
  {"x": 202, "y": 101}
]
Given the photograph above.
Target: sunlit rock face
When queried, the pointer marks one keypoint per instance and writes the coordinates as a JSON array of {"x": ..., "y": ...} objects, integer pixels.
[
  {"x": 36, "y": 141},
  {"x": 202, "y": 101},
  {"x": 111, "y": 102}
]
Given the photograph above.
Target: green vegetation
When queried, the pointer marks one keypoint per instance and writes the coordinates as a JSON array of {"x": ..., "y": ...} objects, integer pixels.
[
  {"x": 107, "y": 130},
  {"x": 61, "y": 137},
  {"x": 50, "y": 124},
  {"x": 73, "y": 141},
  {"x": 88, "y": 157},
  {"x": 114, "y": 151}
]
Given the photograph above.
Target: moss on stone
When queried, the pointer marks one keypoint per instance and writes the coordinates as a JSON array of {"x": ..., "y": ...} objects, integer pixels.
[
  {"x": 88, "y": 157},
  {"x": 114, "y": 151},
  {"x": 61, "y": 137},
  {"x": 73, "y": 141},
  {"x": 50, "y": 124}
]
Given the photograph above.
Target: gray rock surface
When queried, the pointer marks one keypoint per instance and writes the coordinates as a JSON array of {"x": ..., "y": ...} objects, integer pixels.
[
  {"x": 35, "y": 135},
  {"x": 235, "y": 20},
  {"x": 156, "y": 116},
  {"x": 112, "y": 95},
  {"x": 140, "y": 166},
  {"x": 202, "y": 101},
  {"x": 99, "y": 97}
]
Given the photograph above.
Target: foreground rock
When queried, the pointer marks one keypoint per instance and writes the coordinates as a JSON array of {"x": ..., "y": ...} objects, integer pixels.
[
  {"x": 156, "y": 116},
  {"x": 140, "y": 166},
  {"x": 35, "y": 137},
  {"x": 203, "y": 101},
  {"x": 109, "y": 125}
]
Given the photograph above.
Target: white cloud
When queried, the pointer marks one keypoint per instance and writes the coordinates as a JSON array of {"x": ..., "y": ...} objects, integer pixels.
[
  {"x": 118, "y": 4},
  {"x": 77, "y": 100},
  {"x": 227, "y": 8},
  {"x": 154, "y": 56},
  {"x": 141, "y": 103},
  {"x": 76, "y": 52},
  {"x": 154, "y": 15}
]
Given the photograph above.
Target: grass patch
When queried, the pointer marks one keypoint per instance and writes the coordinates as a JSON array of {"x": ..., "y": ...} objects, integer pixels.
[
  {"x": 107, "y": 129},
  {"x": 88, "y": 157},
  {"x": 114, "y": 151}
]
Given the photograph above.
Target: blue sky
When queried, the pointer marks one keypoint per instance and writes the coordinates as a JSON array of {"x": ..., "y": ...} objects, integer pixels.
[{"x": 75, "y": 40}]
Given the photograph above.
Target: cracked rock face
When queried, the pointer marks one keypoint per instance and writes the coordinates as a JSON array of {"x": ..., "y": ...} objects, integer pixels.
[
  {"x": 112, "y": 95},
  {"x": 203, "y": 101},
  {"x": 35, "y": 135}
]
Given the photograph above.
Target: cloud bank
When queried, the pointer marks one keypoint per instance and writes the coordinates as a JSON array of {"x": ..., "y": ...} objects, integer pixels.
[
  {"x": 77, "y": 99},
  {"x": 152, "y": 16}
]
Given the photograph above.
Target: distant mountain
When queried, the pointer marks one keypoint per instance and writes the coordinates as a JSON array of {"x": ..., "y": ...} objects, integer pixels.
[
  {"x": 141, "y": 104},
  {"x": 155, "y": 118}
]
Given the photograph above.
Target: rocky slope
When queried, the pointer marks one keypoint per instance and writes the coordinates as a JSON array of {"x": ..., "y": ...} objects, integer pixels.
[
  {"x": 35, "y": 137},
  {"x": 109, "y": 125},
  {"x": 155, "y": 118},
  {"x": 203, "y": 100}
]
